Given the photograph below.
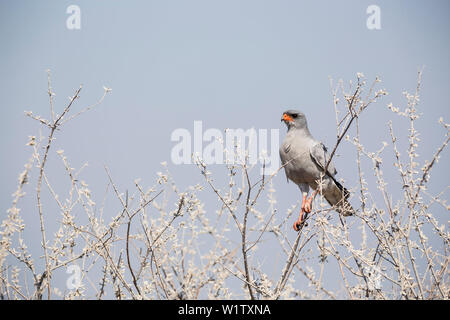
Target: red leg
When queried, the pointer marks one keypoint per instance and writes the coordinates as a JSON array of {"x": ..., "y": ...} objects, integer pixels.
[
  {"x": 299, "y": 222},
  {"x": 304, "y": 200},
  {"x": 308, "y": 203}
]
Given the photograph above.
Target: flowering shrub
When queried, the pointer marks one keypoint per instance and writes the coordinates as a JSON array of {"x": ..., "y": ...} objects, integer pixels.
[{"x": 163, "y": 244}]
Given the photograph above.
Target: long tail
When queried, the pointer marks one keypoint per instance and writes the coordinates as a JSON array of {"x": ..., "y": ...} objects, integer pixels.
[{"x": 337, "y": 196}]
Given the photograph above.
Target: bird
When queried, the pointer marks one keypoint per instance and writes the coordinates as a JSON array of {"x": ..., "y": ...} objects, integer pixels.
[{"x": 305, "y": 160}]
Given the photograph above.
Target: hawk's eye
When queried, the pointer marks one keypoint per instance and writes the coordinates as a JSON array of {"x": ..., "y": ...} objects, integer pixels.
[{"x": 294, "y": 115}]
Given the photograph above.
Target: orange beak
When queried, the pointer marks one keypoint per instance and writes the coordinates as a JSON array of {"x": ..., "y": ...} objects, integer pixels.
[{"x": 286, "y": 118}]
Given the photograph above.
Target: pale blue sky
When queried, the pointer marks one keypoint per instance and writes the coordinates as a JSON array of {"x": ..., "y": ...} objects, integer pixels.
[{"x": 231, "y": 64}]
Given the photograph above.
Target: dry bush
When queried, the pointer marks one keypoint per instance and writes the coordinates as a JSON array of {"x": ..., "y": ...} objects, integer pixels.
[{"x": 162, "y": 243}]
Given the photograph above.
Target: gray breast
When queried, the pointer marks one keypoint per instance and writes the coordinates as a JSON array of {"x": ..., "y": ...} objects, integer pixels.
[{"x": 296, "y": 167}]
